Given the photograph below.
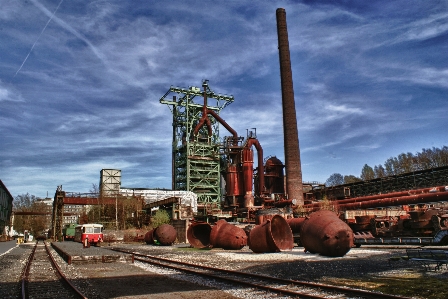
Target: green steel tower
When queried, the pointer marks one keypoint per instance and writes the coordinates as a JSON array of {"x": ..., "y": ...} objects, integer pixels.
[{"x": 196, "y": 143}]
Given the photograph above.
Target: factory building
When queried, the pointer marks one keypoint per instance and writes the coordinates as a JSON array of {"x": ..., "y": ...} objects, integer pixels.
[{"x": 5, "y": 208}]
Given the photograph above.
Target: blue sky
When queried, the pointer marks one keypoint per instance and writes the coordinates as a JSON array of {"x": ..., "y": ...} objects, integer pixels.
[{"x": 80, "y": 83}]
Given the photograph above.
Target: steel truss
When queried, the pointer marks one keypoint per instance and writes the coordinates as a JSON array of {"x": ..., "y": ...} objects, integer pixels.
[
  {"x": 196, "y": 158},
  {"x": 408, "y": 181}
]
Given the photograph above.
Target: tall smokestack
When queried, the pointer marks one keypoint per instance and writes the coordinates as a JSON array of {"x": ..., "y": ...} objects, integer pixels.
[{"x": 294, "y": 187}]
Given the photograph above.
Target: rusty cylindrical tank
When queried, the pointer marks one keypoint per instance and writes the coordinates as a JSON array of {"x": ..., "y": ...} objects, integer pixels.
[
  {"x": 323, "y": 232},
  {"x": 274, "y": 178},
  {"x": 227, "y": 236},
  {"x": 273, "y": 235},
  {"x": 165, "y": 234},
  {"x": 149, "y": 238},
  {"x": 198, "y": 234},
  {"x": 248, "y": 173}
]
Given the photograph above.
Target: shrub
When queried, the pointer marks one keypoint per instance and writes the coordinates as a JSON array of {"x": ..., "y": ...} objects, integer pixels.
[{"x": 161, "y": 217}]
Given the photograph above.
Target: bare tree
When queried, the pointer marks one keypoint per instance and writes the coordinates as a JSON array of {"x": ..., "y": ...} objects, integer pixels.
[{"x": 334, "y": 180}]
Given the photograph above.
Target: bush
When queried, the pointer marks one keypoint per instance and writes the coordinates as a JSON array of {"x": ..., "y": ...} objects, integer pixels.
[{"x": 161, "y": 217}]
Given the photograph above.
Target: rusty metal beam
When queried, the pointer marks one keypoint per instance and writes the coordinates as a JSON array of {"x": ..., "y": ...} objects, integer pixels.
[
  {"x": 41, "y": 213},
  {"x": 89, "y": 200},
  {"x": 166, "y": 201}
]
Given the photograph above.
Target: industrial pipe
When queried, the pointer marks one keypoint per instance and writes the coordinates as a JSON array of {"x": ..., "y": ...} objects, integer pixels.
[
  {"x": 248, "y": 170},
  {"x": 225, "y": 125},
  {"x": 204, "y": 118},
  {"x": 396, "y": 201},
  {"x": 379, "y": 196}
]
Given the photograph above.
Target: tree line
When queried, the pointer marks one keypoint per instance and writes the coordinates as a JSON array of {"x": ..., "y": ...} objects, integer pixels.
[
  {"x": 403, "y": 163},
  {"x": 35, "y": 224},
  {"x": 126, "y": 213}
]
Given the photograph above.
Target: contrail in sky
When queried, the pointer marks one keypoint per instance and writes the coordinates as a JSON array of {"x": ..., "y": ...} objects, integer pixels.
[{"x": 49, "y": 20}]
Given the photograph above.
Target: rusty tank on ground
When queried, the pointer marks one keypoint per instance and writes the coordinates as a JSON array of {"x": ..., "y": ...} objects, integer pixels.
[
  {"x": 222, "y": 235},
  {"x": 198, "y": 234},
  {"x": 149, "y": 238},
  {"x": 324, "y": 233},
  {"x": 227, "y": 236},
  {"x": 165, "y": 234},
  {"x": 273, "y": 235}
]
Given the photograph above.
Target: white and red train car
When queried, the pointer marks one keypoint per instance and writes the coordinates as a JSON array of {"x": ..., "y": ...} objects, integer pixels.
[{"x": 93, "y": 232}]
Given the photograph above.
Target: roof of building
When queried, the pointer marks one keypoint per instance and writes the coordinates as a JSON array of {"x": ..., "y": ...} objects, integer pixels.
[{"x": 2, "y": 186}]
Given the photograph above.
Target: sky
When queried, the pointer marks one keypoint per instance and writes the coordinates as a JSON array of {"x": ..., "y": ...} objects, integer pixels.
[{"x": 80, "y": 83}]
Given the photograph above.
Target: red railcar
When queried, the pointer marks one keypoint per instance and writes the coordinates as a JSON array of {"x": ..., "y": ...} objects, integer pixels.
[{"x": 91, "y": 231}]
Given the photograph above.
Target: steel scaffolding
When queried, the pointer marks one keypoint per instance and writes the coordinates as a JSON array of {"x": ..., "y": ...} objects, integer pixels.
[{"x": 196, "y": 158}]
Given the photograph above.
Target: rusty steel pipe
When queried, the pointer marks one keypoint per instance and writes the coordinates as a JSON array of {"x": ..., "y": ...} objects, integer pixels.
[
  {"x": 379, "y": 196},
  {"x": 396, "y": 201},
  {"x": 324, "y": 233},
  {"x": 165, "y": 234},
  {"x": 248, "y": 170},
  {"x": 248, "y": 174},
  {"x": 198, "y": 234},
  {"x": 225, "y": 125},
  {"x": 227, "y": 236},
  {"x": 294, "y": 186},
  {"x": 204, "y": 120},
  {"x": 273, "y": 235},
  {"x": 284, "y": 203}
]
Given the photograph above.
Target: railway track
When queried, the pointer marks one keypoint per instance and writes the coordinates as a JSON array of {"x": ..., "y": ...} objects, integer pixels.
[
  {"x": 42, "y": 277},
  {"x": 293, "y": 288}
]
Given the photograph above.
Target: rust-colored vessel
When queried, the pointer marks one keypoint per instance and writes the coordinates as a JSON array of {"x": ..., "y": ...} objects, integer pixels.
[
  {"x": 323, "y": 232},
  {"x": 227, "y": 236},
  {"x": 295, "y": 224},
  {"x": 165, "y": 234},
  {"x": 273, "y": 235},
  {"x": 149, "y": 238},
  {"x": 198, "y": 234}
]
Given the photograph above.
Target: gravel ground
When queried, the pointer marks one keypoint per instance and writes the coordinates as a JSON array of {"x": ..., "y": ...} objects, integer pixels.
[
  {"x": 358, "y": 264},
  {"x": 127, "y": 280},
  {"x": 138, "y": 280},
  {"x": 11, "y": 266}
]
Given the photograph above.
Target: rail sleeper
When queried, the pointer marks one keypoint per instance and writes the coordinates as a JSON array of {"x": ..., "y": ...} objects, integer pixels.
[{"x": 427, "y": 257}]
